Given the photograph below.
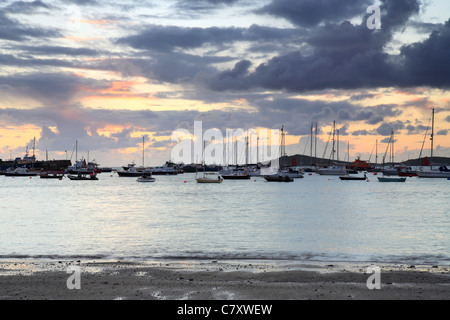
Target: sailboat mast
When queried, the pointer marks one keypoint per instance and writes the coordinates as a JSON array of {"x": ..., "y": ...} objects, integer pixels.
[
  {"x": 246, "y": 150},
  {"x": 310, "y": 151},
  {"x": 432, "y": 138},
  {"x": 143, "y": 148},
  {"x": 282, "y": 152},
  {"x": 337, "y": 155},
  {"x": 334, "y": 133},
  {"x": 392, "y": 150},
  {"x": 315, "y": 145},
  {"x": 224, "y": 155},
  {"x": 348, "y": 151},
  {"x": 235, "y": 151},
  {"x": 376, "y": 152},
  {"x": 257, "y": 150}
]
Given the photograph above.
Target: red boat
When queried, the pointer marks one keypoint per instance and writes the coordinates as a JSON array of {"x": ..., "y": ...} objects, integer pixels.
[{"x": 360, "y": 165}]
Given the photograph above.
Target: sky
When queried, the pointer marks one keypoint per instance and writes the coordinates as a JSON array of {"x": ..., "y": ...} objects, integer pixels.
[{"x": 107, "y": 73}]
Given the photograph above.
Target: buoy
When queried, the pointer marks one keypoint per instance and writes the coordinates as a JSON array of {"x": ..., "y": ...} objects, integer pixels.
[
  {"x": 185, "y": 181},
  {"x": 367, "y": 180}
]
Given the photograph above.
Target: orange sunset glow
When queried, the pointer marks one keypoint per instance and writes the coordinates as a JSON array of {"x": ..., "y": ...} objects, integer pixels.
[{"x": 106, "y": 81}]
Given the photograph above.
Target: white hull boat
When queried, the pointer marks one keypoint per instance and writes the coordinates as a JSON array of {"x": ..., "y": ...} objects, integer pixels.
[
  {"x": 209, "y": 177},
  {"x": 146, "y": 179},
  {"x": 332, "y": 171},
  {"x": 442, "y": 172}
]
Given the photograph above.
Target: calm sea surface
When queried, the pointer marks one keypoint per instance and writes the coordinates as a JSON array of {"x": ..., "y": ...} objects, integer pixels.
[{"x": 317, "y": 218}]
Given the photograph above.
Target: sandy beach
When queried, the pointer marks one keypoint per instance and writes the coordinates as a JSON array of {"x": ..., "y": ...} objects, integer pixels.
[{"x": 217, "y": 280}]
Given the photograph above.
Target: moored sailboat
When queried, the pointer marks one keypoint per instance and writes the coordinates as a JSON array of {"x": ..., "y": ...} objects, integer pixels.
[
  {"x": 207, "y": 177},
  {"x": 349, "y": 177},
  {"x": 278, "y": 178},
  {"x": 441, "y": 172},
  {"x": 146, "y": 178},
  {"x": 132, "y": 171}
]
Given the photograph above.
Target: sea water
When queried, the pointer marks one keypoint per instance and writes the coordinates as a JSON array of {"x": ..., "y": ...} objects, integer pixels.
[{"x": 317, "y": 218}]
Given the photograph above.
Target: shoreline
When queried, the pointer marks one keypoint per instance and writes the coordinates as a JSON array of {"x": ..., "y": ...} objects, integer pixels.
[{"x": 217, "y": 280}]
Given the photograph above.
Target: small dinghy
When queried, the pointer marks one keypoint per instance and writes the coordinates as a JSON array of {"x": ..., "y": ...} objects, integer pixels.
[
  {"x": 348, "y": 177},
  {"x": 83, "y": 177},
  {"x": 146, "y": 179}
]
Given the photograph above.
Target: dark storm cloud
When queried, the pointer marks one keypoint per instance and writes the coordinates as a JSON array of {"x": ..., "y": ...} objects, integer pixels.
[
  {"x": 12, "y": 60},
  {"x": 363, "y": 132},
  {"x": 163, "y": 58},
  {"x": 418, "y": 129},
  {"x": 386, "y": 129},
  {"x": 13, "y": 30},
  {"x": 396, "y": 13},
  {"x": 24, "y": 7},
  {"x": 427, "y": 62},
  {"x": 171, "y": 67},
  {"x": 58, "y": 50},
  {"x": 83, "y": 2},
  {"x": 50, "y": 87},
  {"x": 334, "y": 54},
  {"x": 348, "y": 56},
  {"x": 202, "y": 6},
  {"x": 229, "y": 2},
  {"x": 320, "y": 110},
  {"x": 168, "y": 38},
  {"x": 310, "y": 13}
]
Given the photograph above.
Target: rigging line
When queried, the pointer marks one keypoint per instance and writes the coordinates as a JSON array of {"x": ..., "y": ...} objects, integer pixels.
[
  {"x": 326, "y": 146},
  {"x": 73, "y": 150},
  {"x": 306, "y": 145},
  {"x": 387, "y": 148},
  {"x": 424, "y": 138},
  {"x": 371, "y": 153}
]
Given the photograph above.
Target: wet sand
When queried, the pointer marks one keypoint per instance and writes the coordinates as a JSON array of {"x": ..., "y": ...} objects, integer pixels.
[{"x": 217, "y": 280}]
